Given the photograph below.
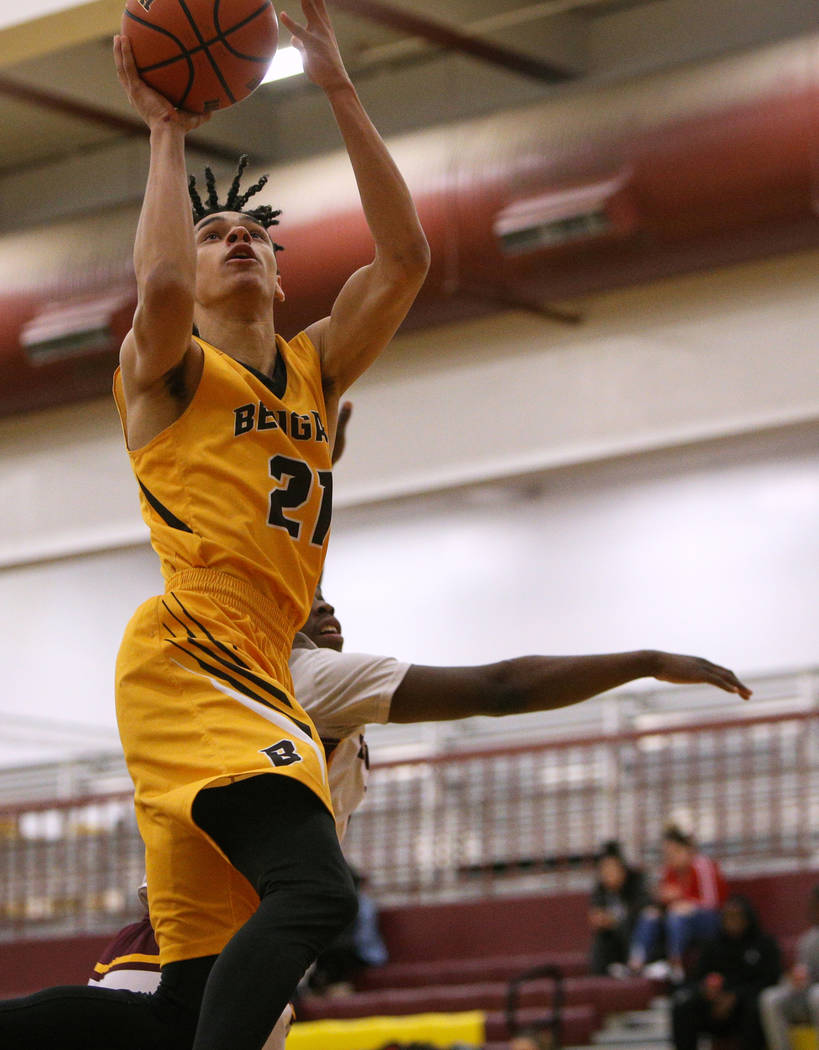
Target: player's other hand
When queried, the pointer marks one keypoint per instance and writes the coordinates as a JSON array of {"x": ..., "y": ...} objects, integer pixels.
[
  {"x": 690, "y": 670},
  {"x": 318, "y": 46},
  {"x": 154, "y": 108},
  {"x": 340, "y": 442}
]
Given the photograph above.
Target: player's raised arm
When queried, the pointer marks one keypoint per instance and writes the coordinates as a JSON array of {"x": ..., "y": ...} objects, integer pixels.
[
  {"x": 164, "y": 258},
  {"x": 375, "y": 300},
  {"x": 543, "y": 683}
]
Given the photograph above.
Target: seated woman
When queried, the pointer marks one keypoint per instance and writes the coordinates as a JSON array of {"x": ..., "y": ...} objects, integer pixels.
[
  {"x": 690, "y": 893},
  {"x": 616, "y": 902}
]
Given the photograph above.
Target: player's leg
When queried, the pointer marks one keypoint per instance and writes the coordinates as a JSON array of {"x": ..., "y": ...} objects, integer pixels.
[
  {"x": 277, "y": 1038},
  {"x": 130, "y": 962},
  {"x": 282, "y": 838},
  {"x": 88, "y": 1018}
]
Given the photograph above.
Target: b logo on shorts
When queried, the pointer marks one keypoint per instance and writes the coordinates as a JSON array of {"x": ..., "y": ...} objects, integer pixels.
[{"x": 282, "y": 754}]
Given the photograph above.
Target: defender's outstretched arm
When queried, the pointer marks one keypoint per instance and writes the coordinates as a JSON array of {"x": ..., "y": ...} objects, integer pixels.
[{"x": 543, "y": 683}]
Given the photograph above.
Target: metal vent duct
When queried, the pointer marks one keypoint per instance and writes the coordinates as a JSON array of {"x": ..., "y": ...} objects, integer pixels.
[{"x": 691, "y": 169}]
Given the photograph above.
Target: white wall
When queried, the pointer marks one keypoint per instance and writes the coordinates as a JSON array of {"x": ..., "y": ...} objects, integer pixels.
[
  {"x": 60, "y": 627},
  {"x": 711, "y": 549}
]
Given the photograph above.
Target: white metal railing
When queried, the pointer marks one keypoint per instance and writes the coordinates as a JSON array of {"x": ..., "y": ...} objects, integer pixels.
[
  {"x": 499, "y": 807},
  {"x": 533, "y": 816}
]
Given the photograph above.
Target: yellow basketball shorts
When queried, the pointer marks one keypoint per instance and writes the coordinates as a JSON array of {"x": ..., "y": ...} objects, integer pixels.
[{"x": 204, "y": 698}]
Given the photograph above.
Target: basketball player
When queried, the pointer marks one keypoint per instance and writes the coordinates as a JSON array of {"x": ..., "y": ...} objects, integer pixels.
[
  {"x": 229, "y": 432},
  {"x": 342, "y": 692}
]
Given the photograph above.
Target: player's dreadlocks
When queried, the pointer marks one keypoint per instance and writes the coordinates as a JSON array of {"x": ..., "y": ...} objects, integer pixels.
[{"x": 235, "y": 201}]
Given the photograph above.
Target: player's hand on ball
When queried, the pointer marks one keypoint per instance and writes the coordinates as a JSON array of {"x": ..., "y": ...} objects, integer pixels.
[
  {"x": 691, "y": 670},
  {"x": 318, "y": 46},
  {"x": 151, "y": 106}
]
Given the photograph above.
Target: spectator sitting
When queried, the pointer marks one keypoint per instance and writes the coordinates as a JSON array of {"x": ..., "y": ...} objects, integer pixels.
[
  {"x": 690, "y": 893},
  {"x": 733, "y": 969},
  {"x": 616, "y": 902},
  {"x": 796, "y": 1000},
  {"x": 358, "y": 946}
]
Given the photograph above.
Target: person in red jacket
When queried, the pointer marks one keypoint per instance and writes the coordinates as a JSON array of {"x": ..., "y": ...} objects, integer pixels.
[{"x": 689, "y": 897}]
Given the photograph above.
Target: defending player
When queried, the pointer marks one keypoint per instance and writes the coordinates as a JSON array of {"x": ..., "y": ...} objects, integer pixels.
[
  {"x": 343, "y": 692},
  {"x": 229, "y": 432}
]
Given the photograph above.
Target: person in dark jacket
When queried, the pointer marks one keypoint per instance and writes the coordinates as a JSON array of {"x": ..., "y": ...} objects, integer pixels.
[
  {"x": 616, "y": 902},
  {"x": 733, "y": 969}
]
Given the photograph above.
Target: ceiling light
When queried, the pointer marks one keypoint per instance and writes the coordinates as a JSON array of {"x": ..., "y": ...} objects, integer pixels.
[{"x": 286, "y": 63}]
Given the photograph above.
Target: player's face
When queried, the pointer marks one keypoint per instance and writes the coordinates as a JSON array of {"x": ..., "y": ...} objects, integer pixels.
[
  {"x": 232, "y": 249},
  {"x": 322, "y": 627}
]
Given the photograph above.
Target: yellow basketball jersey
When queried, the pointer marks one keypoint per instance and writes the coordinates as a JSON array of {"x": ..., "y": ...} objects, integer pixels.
[{"x": 241, "y": 482}]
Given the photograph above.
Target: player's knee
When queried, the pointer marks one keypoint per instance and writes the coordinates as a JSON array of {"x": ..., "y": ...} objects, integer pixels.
[
  {"x": 347, "y": 904},
  {"x": 342, "y": 900},
  {"x": 326, "y": 897},
  {"x": 338, "y": 900}
]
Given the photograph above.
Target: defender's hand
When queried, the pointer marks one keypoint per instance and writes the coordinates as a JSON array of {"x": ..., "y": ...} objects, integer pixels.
[
  {"x": 318, "y": 46},
  {"x": 690, "y": 670},
  {"x": 152, "y": 107}
]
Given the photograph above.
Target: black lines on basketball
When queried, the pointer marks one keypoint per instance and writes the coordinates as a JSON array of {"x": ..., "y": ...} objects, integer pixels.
[
  {"x": 202, "y": 54},
  {"x": 223, "y": 34},
  {"x": 206, "y": 48}
]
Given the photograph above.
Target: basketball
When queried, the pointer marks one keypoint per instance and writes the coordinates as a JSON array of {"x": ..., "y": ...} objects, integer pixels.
[{"x": 202, "y": 54}]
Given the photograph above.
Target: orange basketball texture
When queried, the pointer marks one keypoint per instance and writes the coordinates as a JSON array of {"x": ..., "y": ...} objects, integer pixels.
[{"x": 202, "y": 54}]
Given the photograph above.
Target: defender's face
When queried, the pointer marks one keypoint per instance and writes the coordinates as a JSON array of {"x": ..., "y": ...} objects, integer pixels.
[
  {"x": 232, "y": 250},
  {"x": 322, "y": 627}
]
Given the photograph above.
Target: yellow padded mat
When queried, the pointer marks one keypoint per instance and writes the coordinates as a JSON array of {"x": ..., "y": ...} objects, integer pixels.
[{"x": 371, "y": 1033}]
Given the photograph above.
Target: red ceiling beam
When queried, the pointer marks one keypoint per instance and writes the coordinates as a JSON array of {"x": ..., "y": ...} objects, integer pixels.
[{"x": 450, "y": 37}]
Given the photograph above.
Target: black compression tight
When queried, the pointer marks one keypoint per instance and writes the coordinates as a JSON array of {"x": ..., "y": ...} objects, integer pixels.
[
  {"x": 307, "y": 897},
  {"x": 89, "y": 1018},
  {"x": 279, "y": 835}
]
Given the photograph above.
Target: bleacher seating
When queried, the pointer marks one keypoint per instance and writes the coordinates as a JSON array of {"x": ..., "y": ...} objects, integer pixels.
[
  {"x": 34, "y": 963},
  {"x": 460, "y": 957}
]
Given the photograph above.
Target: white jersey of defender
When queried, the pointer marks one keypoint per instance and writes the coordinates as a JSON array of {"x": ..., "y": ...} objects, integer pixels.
[{"x": 343, "y": 693}]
